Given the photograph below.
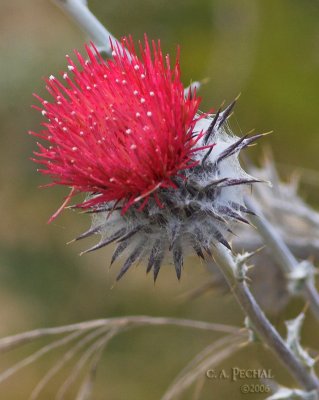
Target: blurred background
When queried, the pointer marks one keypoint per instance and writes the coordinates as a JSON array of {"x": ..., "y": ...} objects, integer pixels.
[{"x": 268, "y": 51}]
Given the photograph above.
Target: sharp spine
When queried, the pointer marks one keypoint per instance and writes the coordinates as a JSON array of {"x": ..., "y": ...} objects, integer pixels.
[
  {"x": 130, "y": 233},
  {"x": 234, "y": 182},
  {"x": 155, "y": 250},
  {"x": 239, "y": 207},
  {"x": 156, "y": 258},
  {"x": 131, "y": 260},
  {"x": 232, "y": 214},
  {"x": 220, "y": 238},
  {"x": 178, "y": 260},
  {"x": 211, "y": 127},
  {"x": 198, "y": 250},
  {"x": 226, "y": 113},
  {"x": 231, "y": 149},
  {"x": 173, "y": 234},
  {"x": 239, "y": 145},
  {"x": 106, "y": 241},
  {"x": 88, "y": 233},
  {"x": 119, "y": 250}
]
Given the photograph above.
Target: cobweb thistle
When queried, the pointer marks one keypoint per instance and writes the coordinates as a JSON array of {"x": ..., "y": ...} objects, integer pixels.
[{"x": 161, "y": 178}]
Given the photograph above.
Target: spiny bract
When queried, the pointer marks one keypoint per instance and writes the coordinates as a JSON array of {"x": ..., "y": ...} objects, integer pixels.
[{"x": 160, "y": 176}]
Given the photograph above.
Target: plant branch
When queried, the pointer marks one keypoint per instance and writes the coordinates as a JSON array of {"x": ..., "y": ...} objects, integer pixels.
[
  {"x": 78, "y": 10},
  {"x": 35, "y": 356},
  {"x": 96, "y": 350},
  {"x": 212, "y": 356},
  {"x": 67, "y": 356},
  {"x": 268, "y": 334},
  {"x": 11, "y": 342}
]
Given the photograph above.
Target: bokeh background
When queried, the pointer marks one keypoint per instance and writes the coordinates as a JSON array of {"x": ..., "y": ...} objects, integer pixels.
[{"x": 268, "y": 51}]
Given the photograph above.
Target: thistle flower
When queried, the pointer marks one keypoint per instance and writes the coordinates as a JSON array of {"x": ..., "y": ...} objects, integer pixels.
[{"x": 161, "y": 178}]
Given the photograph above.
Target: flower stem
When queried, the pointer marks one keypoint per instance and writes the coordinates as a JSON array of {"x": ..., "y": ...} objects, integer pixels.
[
  {"x": 79, "y": 11},
  {"x": 281, "y": 252},
  {"x": 266, "y": 331}
]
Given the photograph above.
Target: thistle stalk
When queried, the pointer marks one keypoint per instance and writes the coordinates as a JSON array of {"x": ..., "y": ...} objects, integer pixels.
[
  {"x": 262, "y": 326},
  {"x": 78, "y": 11}
]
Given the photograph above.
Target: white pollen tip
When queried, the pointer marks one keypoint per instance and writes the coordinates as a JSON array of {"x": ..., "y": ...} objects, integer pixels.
[
  {"x": 74, "y": 148},
  {"x": 43, "y": 112},
  {"x": 65, "y": 76},
  {"x": 149, "y": 114},
  {"x": 142, "y": 76},
  {"x": 70, "y": 68},
  {"x": 128, "y": 131},
  {"x": 113, "y": 53},
  {"x": 135, "y": 92},
  {"x": 124, "y": 82},
  {"x": 138, "y": 114},
  {"x": 136, "y": 67},
  {"x": 88, "y": 88},
  {"x": 142, "y": 100},
  {"x": 152, "y": 94},
  {"x": 51, "y": 77},
  {"x": 133, "y": 146}
]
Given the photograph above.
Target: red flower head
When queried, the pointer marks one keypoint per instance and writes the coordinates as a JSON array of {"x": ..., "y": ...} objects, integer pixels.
[
  {"x": 120, "y": 129},
  {"x": 123, "y": 132}
]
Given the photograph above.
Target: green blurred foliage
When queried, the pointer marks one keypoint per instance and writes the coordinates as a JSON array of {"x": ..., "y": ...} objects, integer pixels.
[{"x": 268, "y": 51}]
